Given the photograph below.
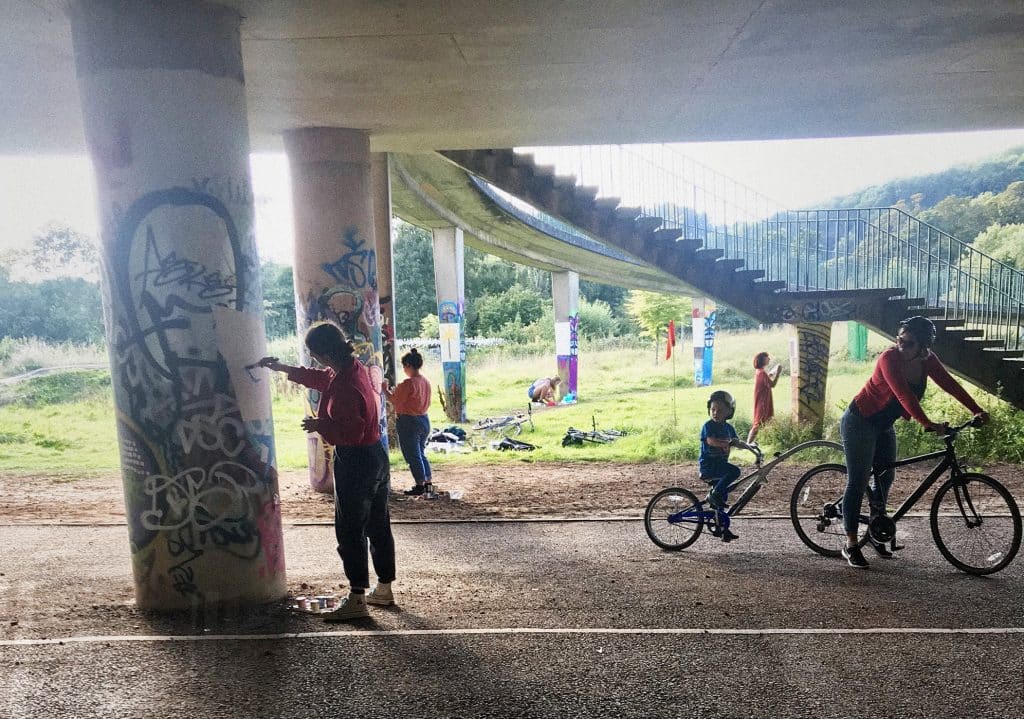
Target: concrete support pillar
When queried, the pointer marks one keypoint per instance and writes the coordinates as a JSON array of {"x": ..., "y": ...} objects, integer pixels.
[
  {"x": 380, "y": 174},
  {"x": 565, "y": 292},
  {"x": 163, "y": 103},
  {"x": 450, "y": 282},
  {"x": 335, "y": 255},
  {"x": 808, "y": 358}
]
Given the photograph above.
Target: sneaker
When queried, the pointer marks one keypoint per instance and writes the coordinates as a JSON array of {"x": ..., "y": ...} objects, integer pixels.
[
  {"x": 880, "y": 548},
  {"x": 415, "y": 491},
  {"x": 381, "y": 595},
  {"x": 352, "y": 607},
  {"x": 714, "y": 500},
  {"x": 854, "y": 557},
  {"x": 428, "y": 490},
  {"x": 728, "y": 536}
]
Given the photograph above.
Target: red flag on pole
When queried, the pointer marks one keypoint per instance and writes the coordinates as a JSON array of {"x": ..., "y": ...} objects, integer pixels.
[{"x": 671, "y": 342}]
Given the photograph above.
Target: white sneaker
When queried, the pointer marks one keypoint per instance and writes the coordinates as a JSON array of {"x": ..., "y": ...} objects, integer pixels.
[
  {"x": 352, "y": 607},
  {"x": 381, "y": 595}
]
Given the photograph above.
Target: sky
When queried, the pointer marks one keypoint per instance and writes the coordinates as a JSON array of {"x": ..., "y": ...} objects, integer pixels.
[{"x": 39, "y": 191}]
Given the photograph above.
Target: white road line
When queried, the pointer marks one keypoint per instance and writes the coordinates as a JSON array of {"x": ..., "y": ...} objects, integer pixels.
[{"x": 355, "y": 633}]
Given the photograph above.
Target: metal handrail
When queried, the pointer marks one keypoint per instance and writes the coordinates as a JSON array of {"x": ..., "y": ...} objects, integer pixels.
[{"x": 807, "y": 249}]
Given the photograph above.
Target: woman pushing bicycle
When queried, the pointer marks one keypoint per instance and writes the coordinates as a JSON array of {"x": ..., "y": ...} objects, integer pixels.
[{"x": 894, "y": 391}]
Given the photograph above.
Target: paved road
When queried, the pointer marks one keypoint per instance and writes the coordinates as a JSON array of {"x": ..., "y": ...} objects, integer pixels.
[{"x": 527, "y": 620}]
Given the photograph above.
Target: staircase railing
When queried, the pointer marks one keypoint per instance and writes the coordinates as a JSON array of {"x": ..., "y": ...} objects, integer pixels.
[{"x": 867, "y": 248}]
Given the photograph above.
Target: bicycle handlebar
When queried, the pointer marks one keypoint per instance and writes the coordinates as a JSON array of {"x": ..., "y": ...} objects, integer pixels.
[{"x": 953, "y": 431}]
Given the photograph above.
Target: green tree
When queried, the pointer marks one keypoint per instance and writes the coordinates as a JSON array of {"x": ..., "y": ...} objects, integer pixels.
[
  {"x": 652, "y": 311},
  {"x": 413, "y": 263},
  {"x": 518, "y": 303},
  {"x": 278, "y": 299},
  {"x": 1004, "y": 243}
]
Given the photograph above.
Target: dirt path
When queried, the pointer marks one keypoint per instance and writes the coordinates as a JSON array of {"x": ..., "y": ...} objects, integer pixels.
[{"x": 514, "y": 490}]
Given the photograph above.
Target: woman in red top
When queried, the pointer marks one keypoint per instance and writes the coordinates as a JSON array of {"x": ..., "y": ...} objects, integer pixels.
[
  {"x": 894, "y": 391},
  {"x": 764, "y": 382},
  {"x": 348, "y": 416},
  {"x": 412, "y": 401}
]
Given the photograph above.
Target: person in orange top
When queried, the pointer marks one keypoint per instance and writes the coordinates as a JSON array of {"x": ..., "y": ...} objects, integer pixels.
[
  {"x": 412, "y": 402},
  {"x": 764, "y": 382}
]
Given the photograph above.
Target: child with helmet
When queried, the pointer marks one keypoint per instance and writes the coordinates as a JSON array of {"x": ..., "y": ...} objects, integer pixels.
[{"x": 717, "y": 438}]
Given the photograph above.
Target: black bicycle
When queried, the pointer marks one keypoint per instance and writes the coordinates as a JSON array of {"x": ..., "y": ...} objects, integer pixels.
[{"x": 974, "y": 519}]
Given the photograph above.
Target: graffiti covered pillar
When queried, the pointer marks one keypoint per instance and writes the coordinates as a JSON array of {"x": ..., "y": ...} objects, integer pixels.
[
  {"x": 449, "y": 279},
  {"x": 163, "y": 103},
  {"x": 335, "y": 255},
  {"x": 381, "y": 179},
  {"x": 565, "y": 292},
  {"x": 704, "y": 315},
  {"x": 808, "y": 360}
]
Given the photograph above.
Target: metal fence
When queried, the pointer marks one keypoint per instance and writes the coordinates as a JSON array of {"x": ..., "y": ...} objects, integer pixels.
[{"x": 841, "y": 249}]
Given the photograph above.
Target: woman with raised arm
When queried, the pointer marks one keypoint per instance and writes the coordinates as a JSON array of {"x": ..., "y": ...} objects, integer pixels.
[
  {"x": 894, "y": 391},
  {"x": 348, "y": 417}
]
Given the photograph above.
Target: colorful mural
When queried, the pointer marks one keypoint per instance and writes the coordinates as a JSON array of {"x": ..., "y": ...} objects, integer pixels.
[{"x": 704, "y": 315}]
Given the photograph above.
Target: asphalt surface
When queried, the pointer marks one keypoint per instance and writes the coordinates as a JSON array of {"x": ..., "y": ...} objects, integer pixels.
[{"x": 552, "y": 619}]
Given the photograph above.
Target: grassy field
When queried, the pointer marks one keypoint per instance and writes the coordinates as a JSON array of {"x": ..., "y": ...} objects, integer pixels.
[{"x": 632, "y": 389}]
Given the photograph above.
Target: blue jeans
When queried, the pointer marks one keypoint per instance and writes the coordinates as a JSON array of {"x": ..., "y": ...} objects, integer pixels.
[
  {"x": 412, "y": 438},
  {"x": 723, "y": 474},
  {"x": 866, "y": 447},
  {"x": 362, "y": 476}
]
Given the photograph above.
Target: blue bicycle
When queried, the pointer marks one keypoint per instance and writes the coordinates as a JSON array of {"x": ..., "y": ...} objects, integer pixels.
[{"x": 674, "y": 517}]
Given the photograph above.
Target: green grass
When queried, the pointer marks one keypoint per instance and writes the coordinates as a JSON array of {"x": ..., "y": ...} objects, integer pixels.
[{"x": 631, "y": 389}]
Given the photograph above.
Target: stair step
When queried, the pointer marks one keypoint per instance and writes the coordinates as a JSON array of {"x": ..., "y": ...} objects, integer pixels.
[
  {"x": 627, "y": 213},
  {"x": 688, "y": 245},
  {"x": 607, "y": 203},
  {"x": 964, "y": 332},
  {"x": 567, "y": 182},
  {"x": 729, "y": 265},
  {"x": 944, "y": 324},
  {"x": 668, "y": 234},
  {"x": 748, "y": 276},
  {"x": 710, "y": 253},
  {"x": 984, "y": 344},
  {"x": 770, "y": 285},
  {"x": 587, "y": 192},
  {"x": 1005, "y": 353},
  {"x": 648, "y": 223}
]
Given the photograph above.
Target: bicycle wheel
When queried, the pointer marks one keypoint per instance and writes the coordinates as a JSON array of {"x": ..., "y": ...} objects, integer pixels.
[
  {"x": 673, "y": 518},
  {"x": 976, "y": 524},
  {"x": 816, "y": 509}
]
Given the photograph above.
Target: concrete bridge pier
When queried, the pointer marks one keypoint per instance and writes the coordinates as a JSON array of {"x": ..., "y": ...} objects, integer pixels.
[
  {"x": 808, "y": 357},
  {"x": 163, "y": 103},
  {"x": 565, "y": 293},
  {"x": 380, "y": 177},
  {"x": 450, "y": 284},
  {"x": 335, "y": 254}
]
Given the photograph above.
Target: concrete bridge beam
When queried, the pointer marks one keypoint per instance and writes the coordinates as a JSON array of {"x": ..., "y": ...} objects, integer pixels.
[{"x": 163, "y": 103}]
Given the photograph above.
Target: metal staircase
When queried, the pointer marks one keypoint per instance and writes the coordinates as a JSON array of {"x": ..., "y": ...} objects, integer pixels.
[{"x": 875, "y": 266}]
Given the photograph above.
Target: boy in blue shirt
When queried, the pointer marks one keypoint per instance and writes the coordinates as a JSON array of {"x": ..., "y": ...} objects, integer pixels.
[{"x": 717, "y": 438}]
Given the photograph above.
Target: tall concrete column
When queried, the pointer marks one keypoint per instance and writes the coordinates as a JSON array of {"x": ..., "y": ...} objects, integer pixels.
[
  {"x": 335, "y": 255},
  {"x": 808, "y": 358},
  {"x": 565, "y": 292},
  {"x": 450, "y": 283},
  {"x": 163, "y": 102},
  {"x": 381, "y": 178}
]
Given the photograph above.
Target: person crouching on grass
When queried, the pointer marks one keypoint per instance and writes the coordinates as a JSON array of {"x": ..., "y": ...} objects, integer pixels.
[
  {"x": 717, "y": 438},
  {"x": 348, "y": 416}
]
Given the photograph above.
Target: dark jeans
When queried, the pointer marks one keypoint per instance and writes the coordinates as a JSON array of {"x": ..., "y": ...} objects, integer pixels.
[
  {"x": 412, "y": 438},
  {"x": 720, "y": 474},
  {"x": 362, "y": 477},
  {"x": 866, "y": 446}
]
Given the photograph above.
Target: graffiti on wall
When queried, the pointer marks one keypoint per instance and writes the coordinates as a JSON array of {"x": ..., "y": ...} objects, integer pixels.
[
  {"x": 350, "y": 300},
  {"x": 567, "y": 354},
  {"x": 196, "y": 433},
  {"x": 453, "y": 358},
  {"x": 812, "y": 350},
  {"x": 704, "y": 326}
]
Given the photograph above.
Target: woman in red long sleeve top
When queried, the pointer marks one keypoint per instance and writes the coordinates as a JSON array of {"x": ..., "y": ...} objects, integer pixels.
[
  {"x": 894, "y": 391},
  {"x": 348, "y": 416}
]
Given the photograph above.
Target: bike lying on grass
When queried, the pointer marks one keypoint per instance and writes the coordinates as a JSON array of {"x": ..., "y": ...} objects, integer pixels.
[
  {"x": 974, "y": 520},
  {"x": 674, "y": 517},
  {"x": 508, "y": 425},
  {"x": 577, "y": 437}
]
